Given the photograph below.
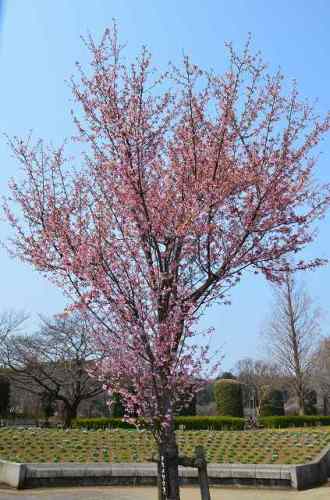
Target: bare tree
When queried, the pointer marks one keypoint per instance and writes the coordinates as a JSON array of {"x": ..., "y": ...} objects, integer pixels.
[
  {"x": 259, "y": 378},
  {"x": 57, "y": 362},
  {"x": 11, "y": 322},
  {"x": 291, "y": 335},
  {"x": 321, "y": 372}
]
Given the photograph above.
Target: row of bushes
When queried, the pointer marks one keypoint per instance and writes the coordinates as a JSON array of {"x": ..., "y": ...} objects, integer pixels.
[
  {"x": 189, "y": 423},
  {"x": 294, "y": 421},
  {"x": 101, "y": 423},
  {"x": 204, "y": 423}
]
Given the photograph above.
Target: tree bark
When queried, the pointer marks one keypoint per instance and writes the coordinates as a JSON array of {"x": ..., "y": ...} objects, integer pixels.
[
  {"x": 301, "y": 404},
  {"x": 70, "y": 413},
  {"x": 300, "y": 396},
  {"x": 296, "y": 348},
  {"x": 168, "y": 471}
]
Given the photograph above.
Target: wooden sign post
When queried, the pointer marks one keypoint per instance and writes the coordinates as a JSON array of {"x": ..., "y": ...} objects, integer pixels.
[
  {"x": 201, "y": 464},
  {"x": 197, "y": 461}
]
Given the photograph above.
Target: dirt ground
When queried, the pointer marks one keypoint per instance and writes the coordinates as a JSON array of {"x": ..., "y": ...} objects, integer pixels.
[{"x": 129, "y": 493}]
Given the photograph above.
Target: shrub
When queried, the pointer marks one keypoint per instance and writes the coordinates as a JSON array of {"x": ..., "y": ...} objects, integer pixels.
[
  {"x": 4, "y": 396},
  {"x": 228, "y": 397},
  {"x": 101, "y": 423},
  {"x": 294, "y": 421},
  {"x": 310, "y": 401},
  {"x": 273, "y": 405},
  {"x": 118, "y": 409},
  {"x": 190, "y": 410},
  {"x": 48, "y": 405},
  {"x": 208, "y": 423},
  {"x": 189, "y": 423},
  {"x": 205, "y": 423}
]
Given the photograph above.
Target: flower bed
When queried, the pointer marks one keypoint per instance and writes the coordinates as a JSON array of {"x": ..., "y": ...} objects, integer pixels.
[{"x": 119, "y": 445}]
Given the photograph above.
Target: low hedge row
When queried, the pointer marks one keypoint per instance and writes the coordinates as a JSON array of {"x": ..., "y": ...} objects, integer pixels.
[
  {"x": 205, "y": 423},
  {"x": 294, "y": 421},
  {"x": 189, "y": 423},
  {"x": 215, "y": 423},
  {"x": 101, "y": 423}
]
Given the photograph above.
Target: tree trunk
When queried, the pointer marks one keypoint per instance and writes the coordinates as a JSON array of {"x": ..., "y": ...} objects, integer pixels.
[
  {"x": 296, "y": 347},
  {"x": 70, "y": 413},
  {"x": 168, "y": 472},
  {"x": 301, "y": 406},
  {"x": 301, "y": 400}
]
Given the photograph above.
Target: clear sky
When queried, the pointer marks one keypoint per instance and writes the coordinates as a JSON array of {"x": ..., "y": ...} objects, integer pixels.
[{"x": 39, "y": 44}]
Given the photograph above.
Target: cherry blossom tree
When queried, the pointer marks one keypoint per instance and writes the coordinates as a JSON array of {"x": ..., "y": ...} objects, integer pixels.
[{"x": 185, "y": 180}]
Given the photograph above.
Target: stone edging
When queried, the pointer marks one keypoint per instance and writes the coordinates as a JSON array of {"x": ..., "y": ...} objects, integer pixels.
[
  {"x": 301, "y": 476},
  {"x": 12, "y": 473}
]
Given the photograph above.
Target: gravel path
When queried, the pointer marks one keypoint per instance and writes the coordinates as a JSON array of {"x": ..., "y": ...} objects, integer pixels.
[{"x": 113, "y": 493}]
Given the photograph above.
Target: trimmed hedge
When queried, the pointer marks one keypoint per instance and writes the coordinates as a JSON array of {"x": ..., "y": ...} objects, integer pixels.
[
  {"x": 294, "y": 421},
  {"x": 228, "y": 397},
  {"x": 212, "y": 423},
  {"x": 101, "y": 423},
  {"x": 189, "y": 423},
  {"x": 205, "y": 423}
]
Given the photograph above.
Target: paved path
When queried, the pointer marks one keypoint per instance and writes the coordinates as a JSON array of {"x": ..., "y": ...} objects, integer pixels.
[{"x": 121, "y": 493}]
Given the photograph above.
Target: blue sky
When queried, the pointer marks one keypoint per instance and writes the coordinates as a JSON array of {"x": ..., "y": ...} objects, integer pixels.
[{"x": 39, "y": 44}]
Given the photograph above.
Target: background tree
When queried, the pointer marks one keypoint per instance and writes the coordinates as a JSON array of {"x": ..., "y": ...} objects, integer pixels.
[
  {"x": 48, "y": 405},
  {"x": 117, "y": 407},
  {"x": 321, "y": 372},
  {"x": 273, "y": 404},
  {"x": 260, "y": 379},
  {"x": 4, "y": 395},
  {"x": 228, "y": 397},
  {"x": 11, "y": 322},
  {"x": 291, "y": 335},
  {"x": 310, "y": 401},
  {"x": 55, "y": 364},
  {"x": 186, "y": 180}
]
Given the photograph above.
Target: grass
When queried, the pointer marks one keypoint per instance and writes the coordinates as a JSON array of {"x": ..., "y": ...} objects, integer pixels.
[{"x": 265, "y": 446}]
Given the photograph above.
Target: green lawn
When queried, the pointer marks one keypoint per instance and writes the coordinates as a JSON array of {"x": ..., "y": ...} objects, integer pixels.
[{"x": 265, "y": 446}]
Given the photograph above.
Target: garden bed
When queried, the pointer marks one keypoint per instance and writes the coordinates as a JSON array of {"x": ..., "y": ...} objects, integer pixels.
[{"x": 130, "y": 446}]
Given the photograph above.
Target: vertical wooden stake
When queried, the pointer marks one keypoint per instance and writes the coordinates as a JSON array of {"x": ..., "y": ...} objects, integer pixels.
[{"x": 202, "y": 473}]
